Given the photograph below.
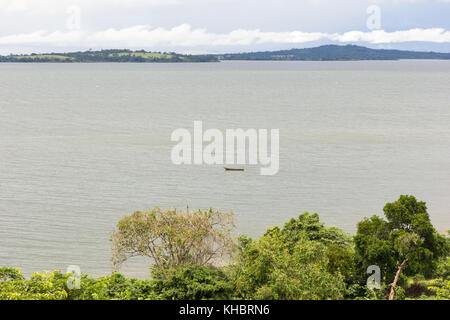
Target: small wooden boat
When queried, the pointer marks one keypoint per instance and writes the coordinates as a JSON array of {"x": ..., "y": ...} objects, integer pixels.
[{"x": 233, "y": 169}]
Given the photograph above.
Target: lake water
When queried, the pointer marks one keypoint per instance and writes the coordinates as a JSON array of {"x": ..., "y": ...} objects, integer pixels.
[{"x": 82, "y": 145}]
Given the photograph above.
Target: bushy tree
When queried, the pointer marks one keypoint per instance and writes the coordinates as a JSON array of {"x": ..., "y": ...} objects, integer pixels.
[
  {"x": 443, "y": 266},
  {"x": 41, "y": 286},
  {"x": 114, "y": 287},
  {"x": 309, "y": 226},
  {"x": 193, "y": 283},
  {"x": 268, "y": 268},
  {"x": 339, "y": 250},
  {"x": 8, "y": 274},
  {"x": 406, "y": 243},
  {"x": 173, "y": 238}
]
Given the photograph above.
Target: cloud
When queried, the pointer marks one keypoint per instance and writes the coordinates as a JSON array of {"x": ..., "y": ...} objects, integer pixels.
[
  {"x": 22, "y": 6},
  {"x": 437, "y": 35},
  {"x": 144, "y": 36}
]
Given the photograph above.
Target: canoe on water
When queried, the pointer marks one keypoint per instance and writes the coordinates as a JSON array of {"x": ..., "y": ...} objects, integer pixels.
[{"x": 234, "y": 169}]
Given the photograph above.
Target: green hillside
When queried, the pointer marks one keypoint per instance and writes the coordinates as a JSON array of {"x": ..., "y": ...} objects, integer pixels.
[{"x": 335, "y": 52}]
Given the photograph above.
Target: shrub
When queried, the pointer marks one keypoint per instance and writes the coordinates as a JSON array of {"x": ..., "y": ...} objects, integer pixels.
[{"x": 193, "y": 283}]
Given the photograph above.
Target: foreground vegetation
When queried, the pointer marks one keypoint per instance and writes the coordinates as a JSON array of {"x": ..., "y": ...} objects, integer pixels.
[
  {"x": 301, "y": 260},
  {"x": 109, "y": 56}
]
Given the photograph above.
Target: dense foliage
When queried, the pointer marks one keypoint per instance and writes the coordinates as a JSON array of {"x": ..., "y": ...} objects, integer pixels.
[
  {"x": 270, "y": 268},
  {"x": 301, "y": 260},
  {"x": 406, "y": 243}
]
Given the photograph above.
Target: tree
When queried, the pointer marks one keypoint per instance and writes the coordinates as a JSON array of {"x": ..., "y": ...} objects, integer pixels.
[
  {"x": 173, "y": 238},
  {"x": 339, "y": 251},
  {"x": 309, "y": 226},
  {"x": 406, "y": 243},
  {"x": 269, "y": 268}
]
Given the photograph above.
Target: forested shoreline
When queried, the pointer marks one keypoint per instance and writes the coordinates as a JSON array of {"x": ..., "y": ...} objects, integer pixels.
[
  {"x": 302, "y": 260},
  {"x": 321, "y": 53},
  {"x": 115, "y": 55}
]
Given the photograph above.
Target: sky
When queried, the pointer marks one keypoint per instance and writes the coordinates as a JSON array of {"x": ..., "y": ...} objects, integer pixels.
[{"x": 218, "y": 26}]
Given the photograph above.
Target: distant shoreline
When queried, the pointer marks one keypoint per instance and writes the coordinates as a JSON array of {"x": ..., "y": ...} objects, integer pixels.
[
  {"x": 322, "y": 53},
  {"x": 109, "y": 56}
]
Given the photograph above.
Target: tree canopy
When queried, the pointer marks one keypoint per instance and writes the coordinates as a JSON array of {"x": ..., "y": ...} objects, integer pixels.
[
  {"x": 194, "y": 257},
  {"x": 173, "y": 238},
  {"x": 406, "y": 243}
]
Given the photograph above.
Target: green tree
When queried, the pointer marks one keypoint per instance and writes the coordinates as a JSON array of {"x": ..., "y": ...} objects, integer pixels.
[
  {"x": 41, "y": 286},
  {"x": 309, "y": 226},
  {"x": 173, "y": 238},
  {"x": 339, "y": 250},
  {"x": 406, "y": 243},
  {"x": 269, "y": 268},
  {"x": 443, "y": 267}
]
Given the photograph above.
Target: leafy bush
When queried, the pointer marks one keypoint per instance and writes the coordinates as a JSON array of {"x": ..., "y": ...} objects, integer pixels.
[
  {"x": 443, "y": 291},
  {"x": 193, "y": 283},
  {"x": 114, "y": 287},
  {"x": 309, "y": 226},
  {"x": 8, "y": 274},
  {"x": 41, "y": 286}
]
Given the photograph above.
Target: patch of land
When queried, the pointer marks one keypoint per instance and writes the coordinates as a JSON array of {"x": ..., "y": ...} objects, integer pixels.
[
  {"x": 109, "y": 56},
  {"x": 335, "y": 53},
  {"x": 322, "y": 53}
]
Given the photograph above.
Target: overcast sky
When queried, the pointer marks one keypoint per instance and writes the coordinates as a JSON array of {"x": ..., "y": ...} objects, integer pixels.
[{"x": 198, "y": 26}]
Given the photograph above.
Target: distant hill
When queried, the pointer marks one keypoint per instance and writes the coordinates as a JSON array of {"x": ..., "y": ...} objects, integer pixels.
[
  {"x": 334, "y": 53},
  {"x": 109, "y": 56}
]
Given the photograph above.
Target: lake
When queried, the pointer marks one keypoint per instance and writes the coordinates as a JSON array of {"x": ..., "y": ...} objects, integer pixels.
[{"x": 82, "y": 145}]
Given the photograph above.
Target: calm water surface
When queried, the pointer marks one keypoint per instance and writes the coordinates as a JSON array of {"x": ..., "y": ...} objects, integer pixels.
[{"x": 82, "y": 145}]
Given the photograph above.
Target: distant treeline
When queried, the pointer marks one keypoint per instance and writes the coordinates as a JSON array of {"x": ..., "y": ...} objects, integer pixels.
[
  {"x": 335, "y": 53},
  {"x": 109, "y": 56},
  {"x": 322, "y": 53}
]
